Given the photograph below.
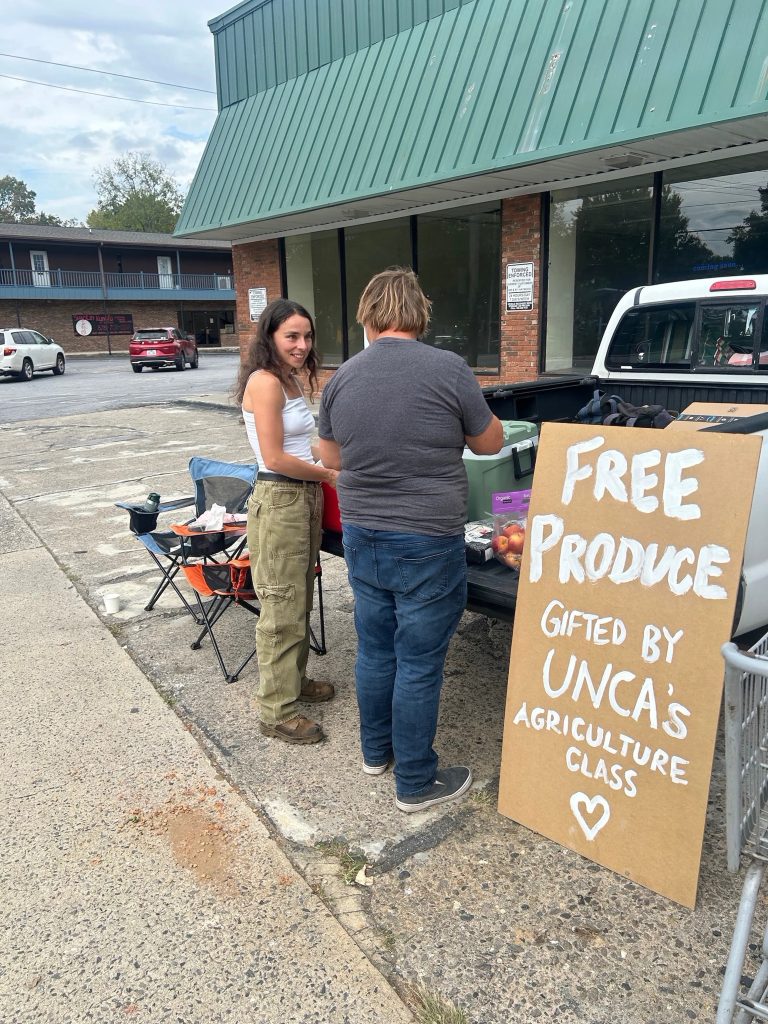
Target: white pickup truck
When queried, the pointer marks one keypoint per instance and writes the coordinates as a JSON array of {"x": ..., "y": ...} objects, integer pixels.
[{"x": 671, "y": 345}]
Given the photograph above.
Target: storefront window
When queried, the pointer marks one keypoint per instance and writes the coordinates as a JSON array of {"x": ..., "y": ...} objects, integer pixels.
[
  {"x": 716, "y": 224},
  {"x": 598, "y": 250},
  {"x": 369, "y": 249},
  {"x": 209, "y": 326},
  {"x": 313, "y": 276},
  {"x": 459, "y": 259}
]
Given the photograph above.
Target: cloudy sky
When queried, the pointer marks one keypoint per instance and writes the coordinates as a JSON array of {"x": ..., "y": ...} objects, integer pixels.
[{"x": 54, "y": 139}]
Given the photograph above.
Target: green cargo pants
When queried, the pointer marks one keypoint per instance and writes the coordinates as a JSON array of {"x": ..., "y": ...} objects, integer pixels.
[{"x": 284, "y": 523}]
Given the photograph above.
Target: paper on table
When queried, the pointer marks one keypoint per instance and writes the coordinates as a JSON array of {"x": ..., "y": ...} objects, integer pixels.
[{"x": 211, "y": 519}]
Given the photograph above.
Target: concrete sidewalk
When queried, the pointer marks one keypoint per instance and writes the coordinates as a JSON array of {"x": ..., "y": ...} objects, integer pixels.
[{"x": 136, "y": 881}]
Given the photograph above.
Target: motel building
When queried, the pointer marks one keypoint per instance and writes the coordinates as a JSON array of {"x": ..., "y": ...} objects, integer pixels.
[{"x": 532, "y": 160}]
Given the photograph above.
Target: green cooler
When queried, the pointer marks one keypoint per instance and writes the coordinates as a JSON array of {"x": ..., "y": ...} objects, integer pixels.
[{"x": 510, "y": 470}]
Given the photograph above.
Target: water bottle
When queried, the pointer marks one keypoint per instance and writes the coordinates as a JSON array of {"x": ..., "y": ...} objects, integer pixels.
[{"x": 152, "y": 504}]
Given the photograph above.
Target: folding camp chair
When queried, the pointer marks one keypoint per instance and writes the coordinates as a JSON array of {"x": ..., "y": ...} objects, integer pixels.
[
  {"x": 222, "y": 483},
  {"x": 229, "y": 583},
  {"x": 224, "y": 584}
]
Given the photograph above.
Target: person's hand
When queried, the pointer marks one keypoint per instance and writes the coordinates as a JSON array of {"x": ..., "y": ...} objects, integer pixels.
[{"x": 332, "y": 476}]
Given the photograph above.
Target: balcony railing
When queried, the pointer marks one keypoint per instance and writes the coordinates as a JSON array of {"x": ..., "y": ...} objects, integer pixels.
[
  {"x": 92, "y": 279},
  {"x": 50, "y": 279}
]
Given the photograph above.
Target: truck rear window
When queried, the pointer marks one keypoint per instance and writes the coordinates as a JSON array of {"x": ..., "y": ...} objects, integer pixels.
[
  {"x": 727, "y": 336},
  {"x": 653, "y": 336}
]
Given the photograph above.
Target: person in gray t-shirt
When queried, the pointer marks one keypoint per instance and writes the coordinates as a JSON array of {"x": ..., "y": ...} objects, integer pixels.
[{"x": 395, "y": 419}]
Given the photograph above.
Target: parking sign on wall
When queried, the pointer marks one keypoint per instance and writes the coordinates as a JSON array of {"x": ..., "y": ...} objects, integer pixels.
[
  {"x": 257, "y": 302},
  {"x": 519, "y": 286}
]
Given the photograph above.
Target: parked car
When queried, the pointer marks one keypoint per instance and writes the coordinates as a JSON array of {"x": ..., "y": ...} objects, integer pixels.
[
  {"x": 24, "y": 352},
  {"x": 162, "y": 346}
]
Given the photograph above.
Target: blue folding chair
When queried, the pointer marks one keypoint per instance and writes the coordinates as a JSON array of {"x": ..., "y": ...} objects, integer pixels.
[{"x": 215, "y": 483}]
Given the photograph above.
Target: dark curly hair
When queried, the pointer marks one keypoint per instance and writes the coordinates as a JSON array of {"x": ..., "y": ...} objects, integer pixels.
[{"x": 262, "y": 354}]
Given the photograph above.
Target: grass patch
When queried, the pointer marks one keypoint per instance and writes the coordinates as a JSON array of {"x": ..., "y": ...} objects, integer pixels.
[
  {"x": 386, "y": 938},
  {"x": 432, "y": 1008},
  {"x": 332, "y": 847},
  {"x": 482, "y": 797},
  {"x": 350, "y": 861}
]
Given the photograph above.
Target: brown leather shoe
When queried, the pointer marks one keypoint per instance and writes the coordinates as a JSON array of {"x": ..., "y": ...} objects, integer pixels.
[
  {"x": 314, "y": 691},
  {"x": 294, "y": 730}
]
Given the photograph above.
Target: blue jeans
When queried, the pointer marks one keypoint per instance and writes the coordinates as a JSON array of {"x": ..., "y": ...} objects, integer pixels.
[{"x": 410, "y": 591}]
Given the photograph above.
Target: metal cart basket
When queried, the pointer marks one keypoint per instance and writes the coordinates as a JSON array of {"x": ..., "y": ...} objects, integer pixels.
[{"x": 746, "y": 810}]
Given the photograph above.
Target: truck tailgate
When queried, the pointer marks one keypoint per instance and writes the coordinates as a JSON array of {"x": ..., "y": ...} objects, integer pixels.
[{"x": 491, "y": 587}]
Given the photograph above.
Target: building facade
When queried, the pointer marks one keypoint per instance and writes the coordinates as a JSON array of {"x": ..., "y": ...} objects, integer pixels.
[
  {"x": 90, "y": 289},
  {"x": 532, "y": 160}
]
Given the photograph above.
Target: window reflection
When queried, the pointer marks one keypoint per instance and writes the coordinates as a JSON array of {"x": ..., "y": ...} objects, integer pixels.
[
  {"x": 459, "y": 253},
  {"x": 314, "y": 280},
  {"x": 369, "y": 249},
  {"x": 714, "y": 225},
  {"x": 599, "y": 244},
  {"x": 459, "y": 260}
]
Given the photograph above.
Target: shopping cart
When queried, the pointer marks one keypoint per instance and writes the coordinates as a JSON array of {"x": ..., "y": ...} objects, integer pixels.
[{"x": 746, "y": 814}]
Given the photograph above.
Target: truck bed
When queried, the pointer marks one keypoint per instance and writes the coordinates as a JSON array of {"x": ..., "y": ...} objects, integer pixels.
[{"x": 491, "y": 587}]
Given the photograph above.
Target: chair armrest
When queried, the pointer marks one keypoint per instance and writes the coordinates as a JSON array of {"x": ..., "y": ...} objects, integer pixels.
[
  {"x": 164, "y": 506},
  {"x": 171, "y": 506}
]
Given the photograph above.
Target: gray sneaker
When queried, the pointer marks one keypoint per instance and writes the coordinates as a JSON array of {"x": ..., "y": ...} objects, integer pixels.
[{"x": 449, "y": 784}]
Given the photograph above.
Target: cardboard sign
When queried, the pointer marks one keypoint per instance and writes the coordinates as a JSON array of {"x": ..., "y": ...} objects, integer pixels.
[
  {"x": 627, "y": 590},
  {"x": 705, "y": 414}
]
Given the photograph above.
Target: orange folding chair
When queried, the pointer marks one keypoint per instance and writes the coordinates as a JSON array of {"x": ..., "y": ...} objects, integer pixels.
[
  {"x": 222, "y": 584},
  {"x": 219, "y": 586}
]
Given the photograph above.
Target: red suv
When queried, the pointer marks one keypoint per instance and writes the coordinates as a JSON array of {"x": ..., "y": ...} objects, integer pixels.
[{"x": 162, "y": 346}]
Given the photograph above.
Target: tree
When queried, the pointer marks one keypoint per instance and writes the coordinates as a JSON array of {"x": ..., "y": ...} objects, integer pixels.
[
  {"x": 750, "y": 239},
  {"x": 17, "y": 204},
  {"x": 136, "y": 193},
  {"x": 611, "y": 253}
]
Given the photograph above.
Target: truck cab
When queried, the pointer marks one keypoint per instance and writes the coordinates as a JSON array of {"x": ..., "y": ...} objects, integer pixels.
[{"x": 712, "y": 329}]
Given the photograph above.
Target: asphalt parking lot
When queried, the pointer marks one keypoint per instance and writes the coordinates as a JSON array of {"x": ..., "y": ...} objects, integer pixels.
[
  {"x": 505, "y": 924},
  {"x": 95, "y": 383}
]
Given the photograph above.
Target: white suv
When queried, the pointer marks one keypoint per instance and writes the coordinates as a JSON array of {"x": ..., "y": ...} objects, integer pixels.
[{"x": 24, "y": 352}]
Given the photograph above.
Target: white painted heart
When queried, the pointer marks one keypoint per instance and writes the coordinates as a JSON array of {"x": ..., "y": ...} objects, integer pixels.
[{"x": 590, "y": 805}]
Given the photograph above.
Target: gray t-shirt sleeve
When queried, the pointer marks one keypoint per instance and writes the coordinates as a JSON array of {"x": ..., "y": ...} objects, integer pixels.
[
  {"x": 324, "y": 416},
  {"x": 475, "y": 412}
]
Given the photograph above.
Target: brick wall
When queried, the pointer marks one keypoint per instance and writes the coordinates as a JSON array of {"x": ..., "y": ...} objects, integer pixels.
[
  {"x": 520, "y": 331},
  {"x": 255, "y": 265},
  {"x": 54, "y": 319}
]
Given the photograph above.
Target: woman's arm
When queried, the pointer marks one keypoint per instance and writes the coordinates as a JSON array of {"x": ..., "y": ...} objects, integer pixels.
[
  {"x": 264, "y": 397},
  {"x": 330, "y": 453}
]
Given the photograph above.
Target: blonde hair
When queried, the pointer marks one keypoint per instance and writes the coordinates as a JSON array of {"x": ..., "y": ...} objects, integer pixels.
[{"x": 393, "y": 301}]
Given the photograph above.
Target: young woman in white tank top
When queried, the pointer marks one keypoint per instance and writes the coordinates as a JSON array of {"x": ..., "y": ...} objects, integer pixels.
[{"x": 284, "y": 515}]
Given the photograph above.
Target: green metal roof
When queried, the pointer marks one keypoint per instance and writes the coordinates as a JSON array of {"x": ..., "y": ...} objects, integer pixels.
[
  {"x": 484, "y": 98},
  {"x": 261, "y": 43}
]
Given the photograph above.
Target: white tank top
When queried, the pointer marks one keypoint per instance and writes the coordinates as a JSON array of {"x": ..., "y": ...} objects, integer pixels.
[{"x": 298, "y": 427}]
